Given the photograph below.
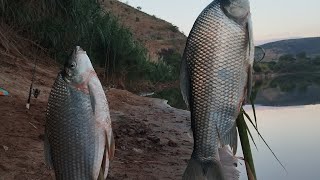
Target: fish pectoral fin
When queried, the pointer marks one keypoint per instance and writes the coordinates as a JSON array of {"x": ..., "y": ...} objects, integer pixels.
[
  {"x": 47, "y": 152},
  {"x": 231, "y": 139},
  {"x": 107, "y": 156},
  {"x": 93, "y": 101},
  {"x": 190, "y": 133},
  {"x": 110, "y": 146},
  {"x": 185, "y": 81},
  {"x": 101, "y": 174}
]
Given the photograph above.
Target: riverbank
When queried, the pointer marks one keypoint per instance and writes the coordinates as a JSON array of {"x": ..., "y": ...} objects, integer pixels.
[{"x": 151, "y": 137}]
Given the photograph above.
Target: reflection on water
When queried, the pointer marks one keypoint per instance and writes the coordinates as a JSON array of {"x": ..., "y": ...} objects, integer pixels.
[
  {"x": 289, "y": 90},
  {"x": 293, "y": 134}
]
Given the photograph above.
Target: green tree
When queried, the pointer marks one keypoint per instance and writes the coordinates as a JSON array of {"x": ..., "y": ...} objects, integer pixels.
[
  {"x": 172, "y": 59},
  {"x": 301, "y": 55},
  {"x": 286, "y": 57},
  {"x": 316, "y": 60}
]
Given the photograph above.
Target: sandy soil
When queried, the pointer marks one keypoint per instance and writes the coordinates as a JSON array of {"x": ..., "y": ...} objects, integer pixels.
[{"x": 151, "y": 137}]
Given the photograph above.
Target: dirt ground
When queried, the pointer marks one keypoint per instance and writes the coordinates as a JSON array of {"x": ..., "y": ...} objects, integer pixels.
[{"x": 151, "y": 137}]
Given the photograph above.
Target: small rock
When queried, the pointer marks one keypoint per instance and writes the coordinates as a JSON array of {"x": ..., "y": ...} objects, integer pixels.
[
  {"x": 141, "y": 131},
  {"x": 137, "y": 150},
  {"x": 172, "y": 143},
  {"x": 41, "y": 137},
  {"x": 6, "y": 148},
  {"x": 131, "y": 132},
  {"x": 140, "y": 140},
  {"x": 154, "y": 139}
]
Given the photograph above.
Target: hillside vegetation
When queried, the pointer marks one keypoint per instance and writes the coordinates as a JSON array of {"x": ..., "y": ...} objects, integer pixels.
[
  {"x": 274, "y": 50},
  {"x": 156, "y": 34},
  {"x": 56, "y": 27},
  {"x": 289, "y": 63}
]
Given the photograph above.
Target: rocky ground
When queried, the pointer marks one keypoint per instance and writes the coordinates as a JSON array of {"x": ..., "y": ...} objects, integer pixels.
[{"x": 151, "y": 137}]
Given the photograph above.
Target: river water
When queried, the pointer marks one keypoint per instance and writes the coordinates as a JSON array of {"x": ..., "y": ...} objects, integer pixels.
[
  {"x": 288, "y": 109},
  {"x": 293, "y": 134}
]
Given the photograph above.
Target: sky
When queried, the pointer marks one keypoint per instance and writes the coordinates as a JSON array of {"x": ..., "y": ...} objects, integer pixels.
[{"x": 272, "y": 20}]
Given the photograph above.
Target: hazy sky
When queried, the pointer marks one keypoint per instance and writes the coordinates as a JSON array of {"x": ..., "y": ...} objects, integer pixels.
[{"x": 271, "y": 19}]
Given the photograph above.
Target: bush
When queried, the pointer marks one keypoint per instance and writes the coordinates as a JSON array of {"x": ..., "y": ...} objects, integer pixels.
[
  {"x": 172, "y": 59},
  {"x": 316, "y": 60},
  {"x": 174, "y": 29},
  {"x": 286, "y": 57}
]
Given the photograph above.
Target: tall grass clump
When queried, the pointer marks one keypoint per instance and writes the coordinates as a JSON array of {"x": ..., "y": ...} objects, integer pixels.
[{"x": 60, "y": 25}]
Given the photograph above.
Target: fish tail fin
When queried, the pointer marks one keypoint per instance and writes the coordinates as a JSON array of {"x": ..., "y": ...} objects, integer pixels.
[
  {"x": 222, "y": 169},
  {"x": 197, "y": 170}
]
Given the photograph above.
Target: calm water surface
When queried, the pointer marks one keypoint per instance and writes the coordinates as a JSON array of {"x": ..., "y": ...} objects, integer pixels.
[
  {"x": 294, "y": 135},
  {"x": 289, "y": 119}
]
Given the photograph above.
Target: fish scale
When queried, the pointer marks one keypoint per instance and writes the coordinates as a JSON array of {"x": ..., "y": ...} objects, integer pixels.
[
  {"x": 217, "y": 60},
  {"x": 70, "y": 130}
]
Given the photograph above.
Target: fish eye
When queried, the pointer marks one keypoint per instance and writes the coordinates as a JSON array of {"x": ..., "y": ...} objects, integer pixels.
[{"x": 73, "y": 65}]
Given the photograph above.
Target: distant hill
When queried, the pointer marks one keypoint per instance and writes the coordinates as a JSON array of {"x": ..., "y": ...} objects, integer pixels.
[
  {"x": 154, "y": 33},
  {"x": 292, "y": 46}
]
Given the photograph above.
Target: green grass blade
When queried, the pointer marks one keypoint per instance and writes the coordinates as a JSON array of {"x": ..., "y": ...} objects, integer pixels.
[
  {"x": 242, "y": 128},
  {"x": 249, "y": 132},
  {"x": 254, "y": 111},
  {"x": 248, "y": 117}
]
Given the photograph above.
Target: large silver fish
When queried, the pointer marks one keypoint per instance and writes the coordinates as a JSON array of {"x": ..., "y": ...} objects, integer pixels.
[
  {"x": 215, "y": 81},
  {"x": 78, "y": 135}
]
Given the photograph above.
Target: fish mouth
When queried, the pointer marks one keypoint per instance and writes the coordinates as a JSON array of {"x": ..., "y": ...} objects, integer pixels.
[
  {"x": 236, "y": 9},
  {"x": 66, "y": 77},
  {"x": 79, "y": 50}
]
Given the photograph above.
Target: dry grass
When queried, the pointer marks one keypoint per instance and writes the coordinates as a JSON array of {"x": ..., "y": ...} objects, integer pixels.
[
  {"x": 154, "y": 33},
  {"x": 15, "y": 46}
]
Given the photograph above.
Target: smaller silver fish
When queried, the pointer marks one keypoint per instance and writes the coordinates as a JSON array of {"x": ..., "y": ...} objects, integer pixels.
[{"x": 79, "y": 141}]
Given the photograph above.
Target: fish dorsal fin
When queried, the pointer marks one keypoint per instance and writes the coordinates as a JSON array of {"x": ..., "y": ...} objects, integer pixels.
[
  {"x": 250, "y": 56},
  {"x": 250, "y": 39}
]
